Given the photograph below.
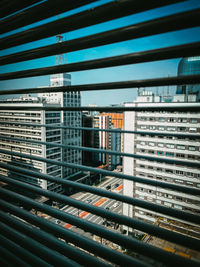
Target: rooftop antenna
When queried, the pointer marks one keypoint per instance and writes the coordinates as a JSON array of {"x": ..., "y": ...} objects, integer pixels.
[{"x": 59, "y": 58}]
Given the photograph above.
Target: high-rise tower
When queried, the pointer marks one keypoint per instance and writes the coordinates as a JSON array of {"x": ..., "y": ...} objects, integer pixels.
[{"x": 66, "y": 99}]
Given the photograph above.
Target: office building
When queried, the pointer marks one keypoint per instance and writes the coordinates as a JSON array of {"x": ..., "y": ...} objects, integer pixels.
[
  {"x": 189, "y": 66},
  {"x": 117, "y": 120},
  {"x": 87, "y": 139},
  {"x": 68, "y": 118},
  {"x": 31, "y": 131},
  {"x": 166, "y": 147},
  {"x": 107, "y": 141}
]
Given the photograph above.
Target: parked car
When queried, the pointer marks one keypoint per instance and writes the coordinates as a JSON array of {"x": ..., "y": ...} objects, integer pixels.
[
  {"x": 108, "y": 187},
  {"x": 115, "y": 205}
]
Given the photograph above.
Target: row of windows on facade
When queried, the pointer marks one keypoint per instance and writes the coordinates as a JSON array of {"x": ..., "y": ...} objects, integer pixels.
[
  {"x": 185, "y": 202},
  {"x": 168, "y": 128},
  {"x": 16, "y": 126},
  {"x": 53, "y": 132},
  {"x": 168, "y": 179},
  {"x": 170, "y": 145},
  {"x": 26, "y": 114},
  {"x": 52, "y": 121},
  {"x": 178, "y": 172},
  {"x": 171, "y": 180},
  {"x": 21, "y": 144},
  {"x": 162, "y": 119},
  {"x": 168, "y": 204},
  {"x": 191, "y": 139},
  {"x": 22, "y": 162},
  {"x": 148, "y": 214},
  {"x": 20, "y": 149},
  {"x": 169, "y": 196},
  {"x": 7, "y": 130},
  {"x": 170, "y": 154},
  {"x": 12, "y": 119}
]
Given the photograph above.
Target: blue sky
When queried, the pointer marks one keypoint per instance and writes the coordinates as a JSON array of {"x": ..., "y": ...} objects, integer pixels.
[{"x": 130, "y": 72}]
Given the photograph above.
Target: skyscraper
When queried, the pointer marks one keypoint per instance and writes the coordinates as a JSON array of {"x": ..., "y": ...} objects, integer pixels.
[
  {"x": 165, "y": 147},
  {"x": 20, "y": 129},
  {"x": 189, "y": 66},
  {"x": 68, "y": 118}
]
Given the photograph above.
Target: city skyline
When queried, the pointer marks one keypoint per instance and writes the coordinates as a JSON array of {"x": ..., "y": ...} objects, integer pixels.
[
  {"x": 163, "y": 68},
  {"x": 116, "y": 182}
]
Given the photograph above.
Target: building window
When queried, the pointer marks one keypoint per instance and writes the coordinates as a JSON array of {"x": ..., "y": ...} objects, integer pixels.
[
  {"x": 193, "y": 120},
  {"x": 182, "y": 147},
  {"x": 141, "y": 212},
  {"x": 179, "y": 172},
  {"x": 168, "y": 196},
  {"x": 192, "y": 129},
  {"x": 169, "y": 154},
  {"x": 168, "y": 171},
  {"x": 182, "y": 129},
  {"x": 182, "y": 120},
  {"x": 170, "y": 145},
  {"x": 152, "y": 127},
  {"x": 142, "y": 166},
  {"x": 190, "y": 174},
  {"x": 151, "y": 144},
  {"x": 191, "y": 148},
  {"x": 191, "y": 157},
  {"x": 189, "y": 183},
  {"x": 143, "y": 118},
  {"x": 171, "y": 128},
  {"x": 158, "y": 201},
  {"x": 177, "y": 207},
  {"x": 161, "y": 119},
  {"x": 142, "y": 143},
  {"x": 180, "y": 155},
  {"x": 143, "y": 126},
  {"x": 179, "y": 181},
  {"x": 160, "y": 145},
  {"x": 168, "y": 179},
  {"x": 141, "y": 197},
  {"x": 167, "y": 204},
  {"x": 161, "y": 128},
  {"x": 160, "y": 153}
]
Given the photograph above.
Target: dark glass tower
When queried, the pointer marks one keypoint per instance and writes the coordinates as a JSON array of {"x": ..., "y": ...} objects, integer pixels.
[{"x": 189, "y": 66}]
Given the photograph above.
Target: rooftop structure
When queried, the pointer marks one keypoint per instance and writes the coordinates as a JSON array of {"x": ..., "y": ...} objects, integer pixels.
[{"x": 189, "y": 66}]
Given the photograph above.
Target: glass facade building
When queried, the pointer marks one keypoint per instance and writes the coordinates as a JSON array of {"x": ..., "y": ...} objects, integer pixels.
[{"x": 189, "y": 66}]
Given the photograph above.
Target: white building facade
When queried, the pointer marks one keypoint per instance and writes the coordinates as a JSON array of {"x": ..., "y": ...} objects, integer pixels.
[
  {"x": 31, "y": 131},
  {"x": 169, "y": 147},
  {"x": 68, "y": 118}
]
